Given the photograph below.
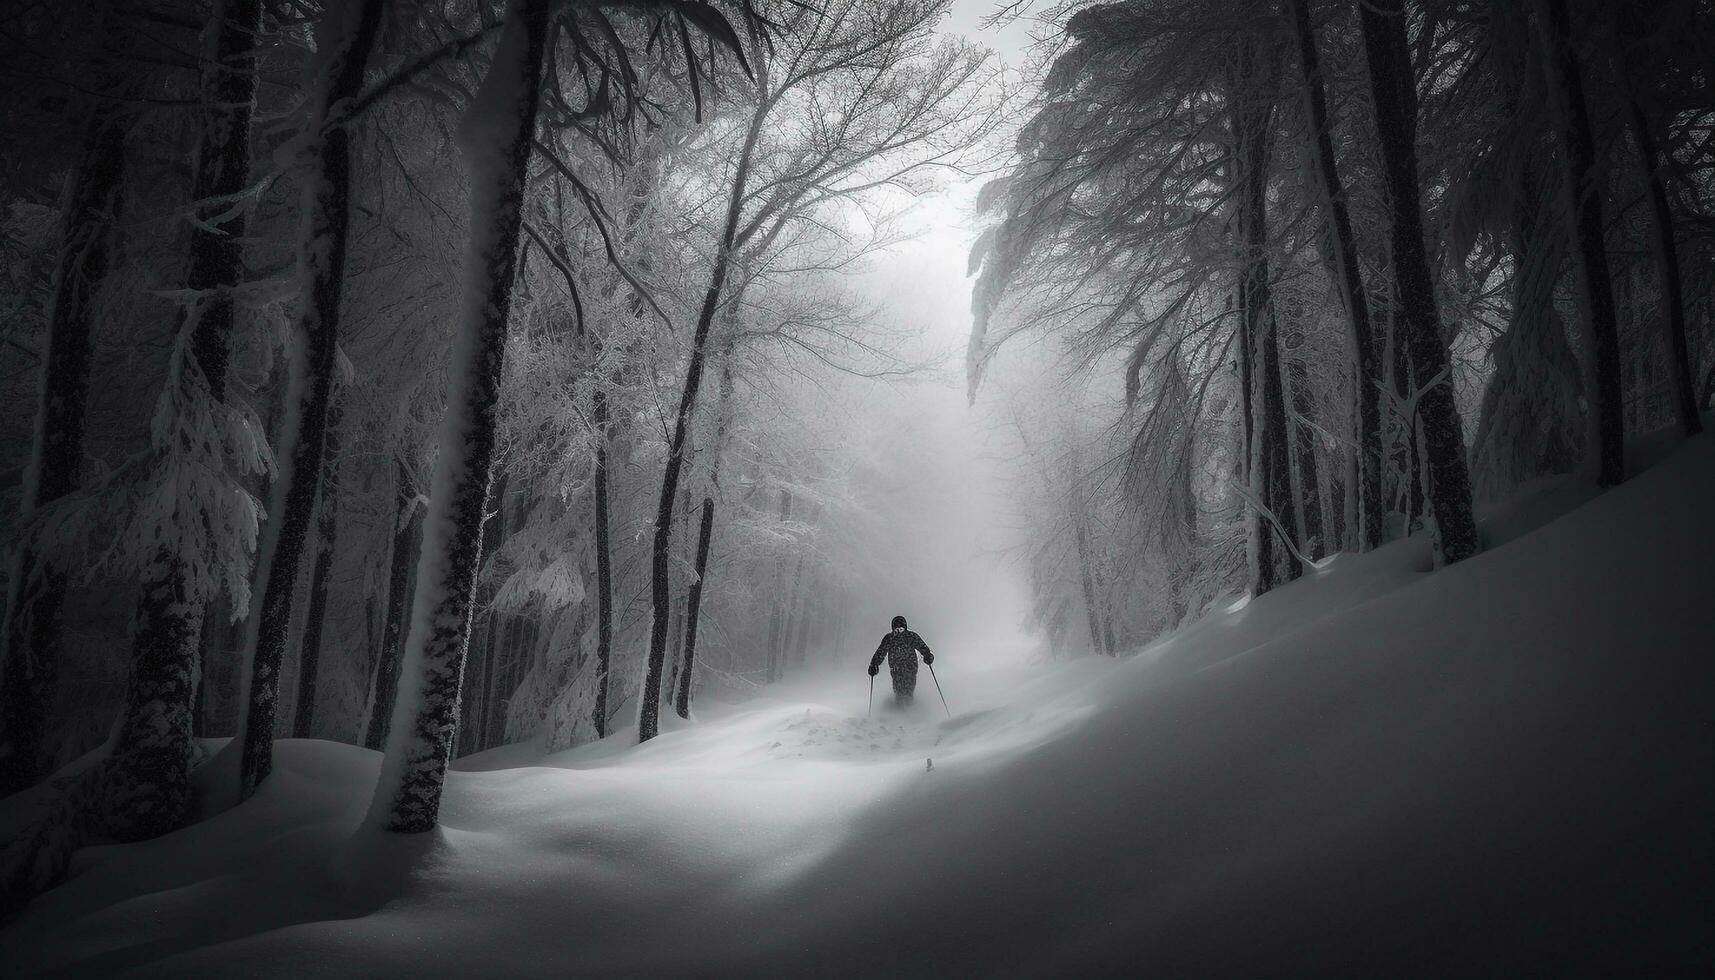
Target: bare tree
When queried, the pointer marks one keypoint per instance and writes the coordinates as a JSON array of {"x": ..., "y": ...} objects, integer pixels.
[{"x": 881, "y": 106}]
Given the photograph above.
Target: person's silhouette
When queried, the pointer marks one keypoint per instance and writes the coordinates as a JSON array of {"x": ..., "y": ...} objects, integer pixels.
[{"x": 900, "y": 647}]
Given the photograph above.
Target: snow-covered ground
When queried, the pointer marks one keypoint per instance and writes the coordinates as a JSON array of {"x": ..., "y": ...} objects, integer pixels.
[{"x": 1506, "y": 767}]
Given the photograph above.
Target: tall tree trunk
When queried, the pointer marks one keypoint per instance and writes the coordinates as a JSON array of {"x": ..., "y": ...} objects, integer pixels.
[
  {"x": 1248, "y": 458},
  {"x": 1087, "y": 579},
  {"x": 1107, "y": 616},
  {"x": 1666, "y": 251},
  {"x": 147, "y": 786},
  {"x": 401, "y": 586},
  {"x": 1350, "y": 276},
  {"x": 705, "y": 531},
  {"x": 346, "y": 37},
  {"x": 1606, "y": 446},
  {"x": 1410, "y": 488},
  {"x": 1392, "y": 86},
  {"x": 676, "y": 616},
  {"x": 481, "y": 657},
  {"x": 682, "y": 697},
  {"x": 1271, "y": 482},
  {"x": 327, "y": 521},
  {"x": 498, "y": 129},
  {"x": 603, "y": 564},
  {"x": 1316, "y": 543},
  {"x": 775, "y": 608},
  {"x": 489, "y": 684},
  {"x": 649, "y": 700},
  {"x": 28, "y": 677}
]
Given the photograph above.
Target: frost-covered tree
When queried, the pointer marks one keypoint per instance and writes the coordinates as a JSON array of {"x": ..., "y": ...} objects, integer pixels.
[
  {"x": 498, "y": 132},
  {"x": 193, "y": 526},
  {"x": 347, "y": 34}
]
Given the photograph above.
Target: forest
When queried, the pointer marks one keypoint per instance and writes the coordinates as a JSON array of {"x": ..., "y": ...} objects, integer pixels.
[{"x": 450, "y": 437}]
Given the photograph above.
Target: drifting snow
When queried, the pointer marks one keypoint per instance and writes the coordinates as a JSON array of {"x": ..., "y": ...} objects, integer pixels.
[{"x": 1503, "y": 767}]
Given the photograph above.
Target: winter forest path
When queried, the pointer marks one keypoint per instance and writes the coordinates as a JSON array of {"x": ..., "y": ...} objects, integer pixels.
[{"x": 1504, "y": 766}]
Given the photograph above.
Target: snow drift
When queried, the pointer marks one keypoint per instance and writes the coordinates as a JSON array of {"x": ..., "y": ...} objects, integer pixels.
[{"x": 1503, "y": 767}]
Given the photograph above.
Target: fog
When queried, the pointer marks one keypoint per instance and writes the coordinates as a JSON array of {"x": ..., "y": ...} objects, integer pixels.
[{"x": 951, "y": 525}]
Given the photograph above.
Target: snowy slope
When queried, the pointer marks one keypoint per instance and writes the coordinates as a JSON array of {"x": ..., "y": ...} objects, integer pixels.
[{"x": 1506, "y": 767}]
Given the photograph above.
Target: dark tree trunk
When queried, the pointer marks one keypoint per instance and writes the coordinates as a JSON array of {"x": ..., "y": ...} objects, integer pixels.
[
  {"x": 1392, "y": 86},
  {"x": 482, "y": 656},
  {"x": 1333, "y": 522},
  {"x": 28, "y": 679},
  {"x": 682, "y": 697},
  {"x": 304, "y": 431},
  {"x": 1271, "y": 482},
  {"x": 1086, "y": 578},
  {"x": 401, "y": 585},
  {"x": 775, "y": 607},
  {"x": 677, "y": 616},
  {"x": 1316, "y": 543},
  {"x": 1666, "y": 251},
  {"x": 1607, "y": 435},
  {"x": 1350, "y": 276},
  {"x": 146, "y": 789},
  {"x": 1277, "y": 453},
  {"x": 649, "y": 707},
  {"x": 603, "y": 566},
  {"x": 327, "y": 521},
  {"x": 408, "y": 794},
  {"x": 1410, "y": 487},
  {"x": 1249, "y": 456},
  {"x": 483, "y": 721}
]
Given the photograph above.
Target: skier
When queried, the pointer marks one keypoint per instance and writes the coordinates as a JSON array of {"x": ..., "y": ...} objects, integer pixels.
[{"x": 900, "y": 646}]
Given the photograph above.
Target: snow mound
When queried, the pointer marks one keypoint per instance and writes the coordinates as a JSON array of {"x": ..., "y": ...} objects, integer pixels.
[{"x": 1504, "y": 767}]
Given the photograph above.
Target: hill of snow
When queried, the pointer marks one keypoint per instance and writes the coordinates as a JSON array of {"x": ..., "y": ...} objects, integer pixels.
[{"x": 1505, "y": 767}]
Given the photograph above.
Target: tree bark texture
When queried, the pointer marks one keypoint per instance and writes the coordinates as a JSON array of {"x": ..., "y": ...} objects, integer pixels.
[
  {"x": 315, "y": 344},
  {"x": 401, "y": 582},
  {"x": 327, "y": 528},
  {"x": 682, "y": 697},
  {"x": 497, "y": 133},
  {"x": 1448, "y": 481}
]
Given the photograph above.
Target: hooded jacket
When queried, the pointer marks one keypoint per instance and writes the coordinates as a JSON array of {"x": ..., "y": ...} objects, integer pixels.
[{"x": 900, "y": 648}]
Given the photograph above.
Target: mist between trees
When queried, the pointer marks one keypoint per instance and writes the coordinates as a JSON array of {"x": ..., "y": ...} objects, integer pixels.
[
  {"x": 1269, "y": 280},
  {"x": 437, "y": 376}
]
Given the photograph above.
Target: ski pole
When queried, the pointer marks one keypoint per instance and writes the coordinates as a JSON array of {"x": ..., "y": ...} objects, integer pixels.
[
  {"x": 870, "y": 710},
  {"x": 938, "y": 689}
]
